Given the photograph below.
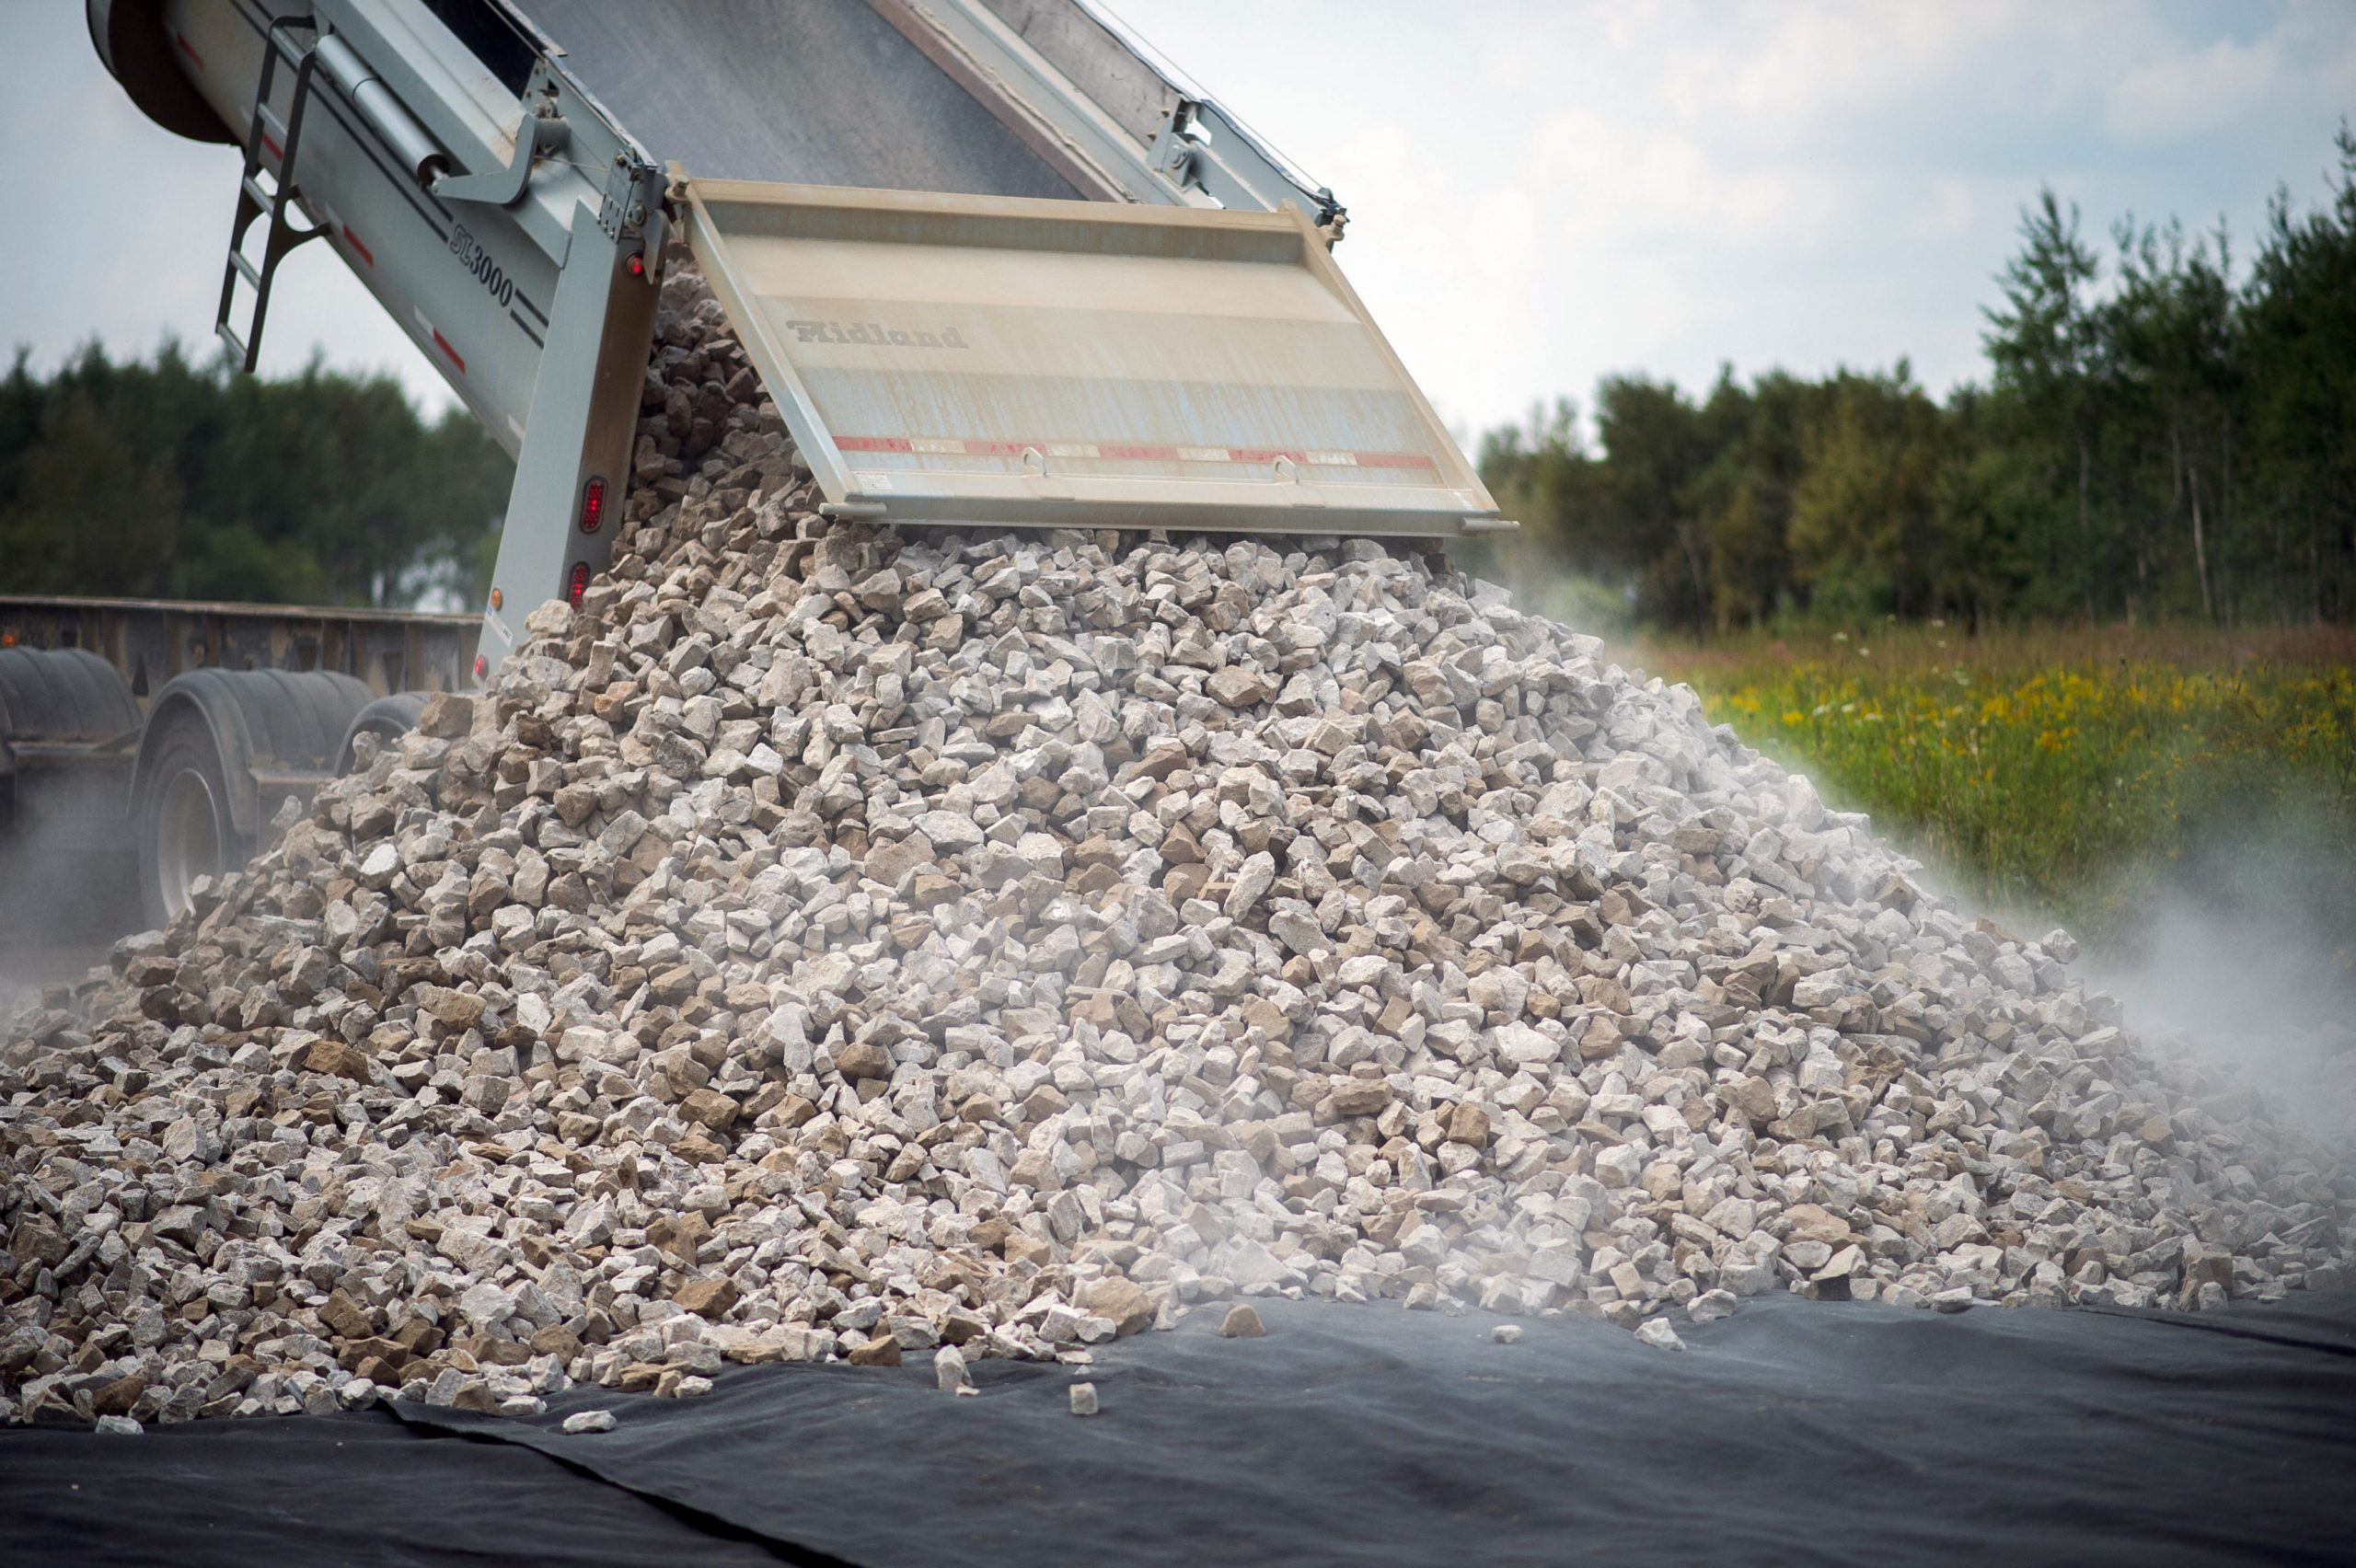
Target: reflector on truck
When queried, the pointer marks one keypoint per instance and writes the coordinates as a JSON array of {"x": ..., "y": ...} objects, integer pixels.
[{"x": 998, "y": 359}]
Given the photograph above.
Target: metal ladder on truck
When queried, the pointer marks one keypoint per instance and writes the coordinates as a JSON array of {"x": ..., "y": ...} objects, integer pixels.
[{"x": 265, "y": 133}]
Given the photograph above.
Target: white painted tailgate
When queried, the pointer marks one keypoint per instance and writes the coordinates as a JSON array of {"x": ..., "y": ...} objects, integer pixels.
[{"x": 984, "y": 359}]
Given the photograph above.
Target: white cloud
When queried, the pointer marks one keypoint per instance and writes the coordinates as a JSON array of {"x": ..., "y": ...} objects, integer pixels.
[
  {"x": 1663, "y": 183},
  {"x": 2180, "y": 93},
  {"x": 1946, "y": 206},
  {"x": 1504, "y": 224},
  {"x": 1781, "y": 72}
]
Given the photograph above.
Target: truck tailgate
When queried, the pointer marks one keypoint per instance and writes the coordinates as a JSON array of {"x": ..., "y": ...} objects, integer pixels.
[{"x": 997, "y": 359}]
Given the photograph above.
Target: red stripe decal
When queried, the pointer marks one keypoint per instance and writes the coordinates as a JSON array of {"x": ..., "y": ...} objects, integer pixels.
[
  {"x": 188, "y": 49},
  {"x": 975, "y": 446},
  {"x": 443, "y": 344},
  {"x": 352, "y": 240},
  {"x": 276, "y": 150}
]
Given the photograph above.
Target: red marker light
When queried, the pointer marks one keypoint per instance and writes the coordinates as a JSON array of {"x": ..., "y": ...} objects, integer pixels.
[
  {"x": 592, "y": 506},
  {"x": 482, "y": 666},
  {"x": 636, "y": 265},
  {"x": 579, "y": 583}
]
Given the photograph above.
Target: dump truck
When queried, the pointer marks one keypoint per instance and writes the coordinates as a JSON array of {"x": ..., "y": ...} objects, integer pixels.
[{"x": 997, "y": 262}]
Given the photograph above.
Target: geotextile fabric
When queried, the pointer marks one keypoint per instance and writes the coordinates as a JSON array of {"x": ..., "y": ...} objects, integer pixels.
[{"x": 1795, "y": 1430}]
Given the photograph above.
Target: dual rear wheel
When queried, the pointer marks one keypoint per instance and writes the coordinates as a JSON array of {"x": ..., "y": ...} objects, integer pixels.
[
  {"x": 185, "y": 829},
  {"x": 221, "y": 751}
]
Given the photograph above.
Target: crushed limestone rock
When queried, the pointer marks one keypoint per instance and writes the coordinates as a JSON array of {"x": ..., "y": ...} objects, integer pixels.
[
  {"x": 1242, "y": 1323},
  {"x": 829, "y": 943}
]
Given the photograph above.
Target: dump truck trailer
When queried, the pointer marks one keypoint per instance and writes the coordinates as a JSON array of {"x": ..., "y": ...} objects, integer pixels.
[{"x": 997, "y": 262}]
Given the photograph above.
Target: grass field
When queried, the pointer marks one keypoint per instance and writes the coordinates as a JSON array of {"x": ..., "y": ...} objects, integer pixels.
[{"x": 2082, "y": 773}]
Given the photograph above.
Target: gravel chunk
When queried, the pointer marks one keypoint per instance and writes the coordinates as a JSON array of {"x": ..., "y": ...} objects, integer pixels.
[
  {"x": 1657, "y": 1332},
  {"x": 1242, "y": 1323}
]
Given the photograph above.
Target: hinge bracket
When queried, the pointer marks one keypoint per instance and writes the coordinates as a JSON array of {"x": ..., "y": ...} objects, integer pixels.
[{"x": 543, "y": 132}]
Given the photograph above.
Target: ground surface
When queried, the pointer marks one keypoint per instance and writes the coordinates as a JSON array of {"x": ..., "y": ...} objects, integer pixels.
[{"x": 1823, "y": 1432}]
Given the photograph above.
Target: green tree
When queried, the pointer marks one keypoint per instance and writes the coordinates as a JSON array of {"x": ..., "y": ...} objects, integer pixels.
[
  {"x": 169, "y": 479},
  {"x": 2170, "y": 330},
  {"x": 1863, "y": 540},
  {"x": 2298, "y": 348},
  {"x": 1989, "y": 499},
  {"x": 2044, "y": 346},
  {"x": 92, "y": 513},
  {"x": 1746, "y": 494},
  {"x": 1655, "y": 446}
]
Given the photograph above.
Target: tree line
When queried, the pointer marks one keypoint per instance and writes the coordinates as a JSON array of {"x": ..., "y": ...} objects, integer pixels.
[
  {"x": 2163, "y": 434},
  {"x": 173, "y": 478}
]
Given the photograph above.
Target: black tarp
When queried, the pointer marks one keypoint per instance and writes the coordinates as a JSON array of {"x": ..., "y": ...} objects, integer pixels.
[{"x": 1792, "y": 1431}]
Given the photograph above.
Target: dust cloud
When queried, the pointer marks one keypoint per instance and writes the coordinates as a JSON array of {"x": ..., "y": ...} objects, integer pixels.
[
  {"x": 2238, "y": 955},
  {"x": 68, "y": 887},
  {"x": 2244, "y": 957}
]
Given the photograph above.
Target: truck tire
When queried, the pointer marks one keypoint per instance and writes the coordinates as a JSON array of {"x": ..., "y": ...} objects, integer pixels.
[
  {"x": 62, "y": 693},
  {"x": 387, "y": 718},
  {"x": 57, "y": 693},
  {"x": 223, "y": 748},
  {"x": 66, "y": 870},
  {"x": 186, "y": 829}
]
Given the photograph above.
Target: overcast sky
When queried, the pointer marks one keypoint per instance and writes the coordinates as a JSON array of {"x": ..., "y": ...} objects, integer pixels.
[{"x": 1539, "y": 193}]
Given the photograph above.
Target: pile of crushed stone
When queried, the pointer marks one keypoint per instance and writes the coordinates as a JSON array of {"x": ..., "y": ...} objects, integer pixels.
[{"x": 835, "y": 943}]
